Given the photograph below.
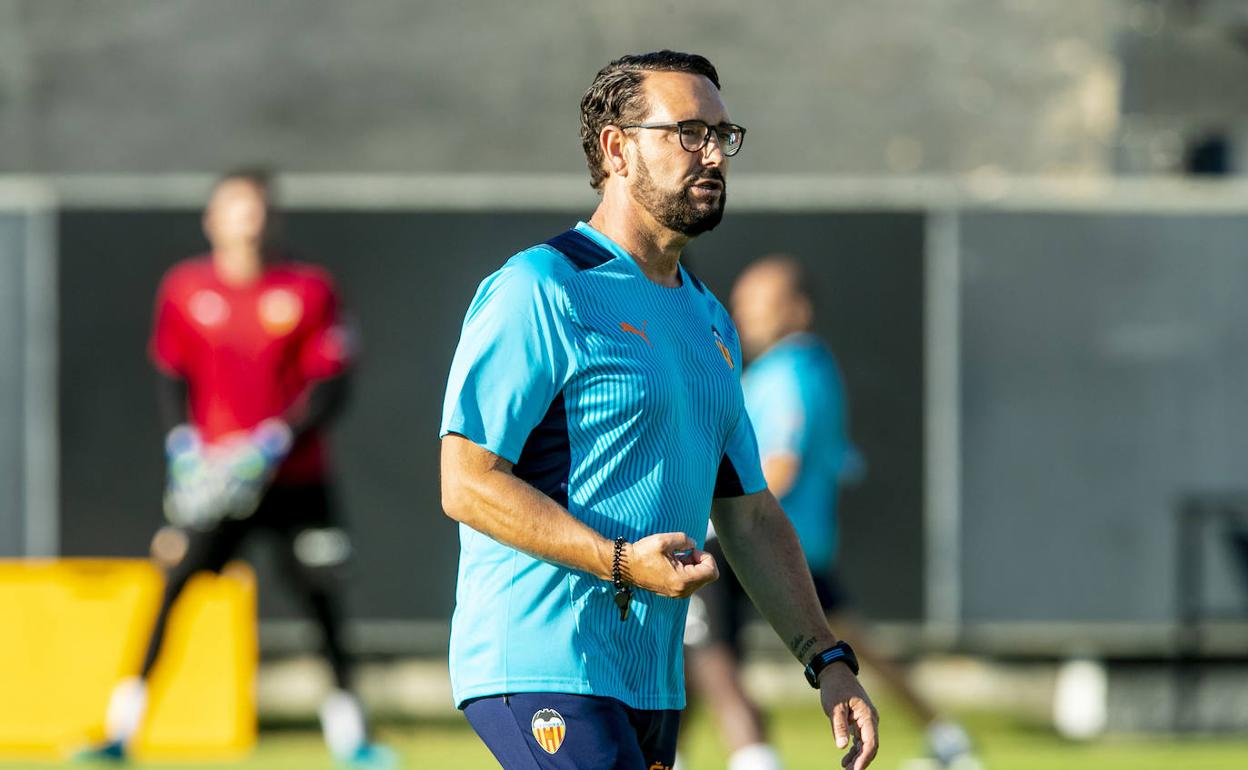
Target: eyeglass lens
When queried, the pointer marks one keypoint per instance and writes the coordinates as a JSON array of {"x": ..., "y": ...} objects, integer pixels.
[{"x": 694, "y": 136}]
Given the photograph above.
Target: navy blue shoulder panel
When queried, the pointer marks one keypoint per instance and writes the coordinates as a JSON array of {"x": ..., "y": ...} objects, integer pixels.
[
  {"x": 546, "y": 460},
  {"x": 580, "y": 250}
]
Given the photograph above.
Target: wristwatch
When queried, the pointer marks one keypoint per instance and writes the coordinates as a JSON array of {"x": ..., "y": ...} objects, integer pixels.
[{"x": 839, "y": 651}]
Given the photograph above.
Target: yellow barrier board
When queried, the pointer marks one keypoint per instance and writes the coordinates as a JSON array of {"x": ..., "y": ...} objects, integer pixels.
[{"x": 71, "y": 629}]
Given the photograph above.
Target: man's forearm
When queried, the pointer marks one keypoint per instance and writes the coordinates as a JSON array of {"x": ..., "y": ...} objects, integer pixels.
[
  {"x": 479, "y": 490},
  {"x": 324, "y": 400},
  {"x": 764, "y": 552},
  {"x": 171, "y": 397}
]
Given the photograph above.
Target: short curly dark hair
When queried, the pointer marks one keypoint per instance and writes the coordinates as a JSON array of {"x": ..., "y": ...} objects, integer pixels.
[{"x": 615, "y": 97}]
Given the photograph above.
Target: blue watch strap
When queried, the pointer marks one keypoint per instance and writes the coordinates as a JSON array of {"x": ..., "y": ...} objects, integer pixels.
[{"x": 839, "y": 651}]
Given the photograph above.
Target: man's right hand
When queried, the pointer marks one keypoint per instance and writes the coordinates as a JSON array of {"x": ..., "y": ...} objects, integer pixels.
[{"x": 669, "y": 564}]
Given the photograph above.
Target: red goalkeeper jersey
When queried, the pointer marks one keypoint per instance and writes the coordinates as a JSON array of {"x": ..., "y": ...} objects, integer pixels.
[{"x": 249, "y": 353}]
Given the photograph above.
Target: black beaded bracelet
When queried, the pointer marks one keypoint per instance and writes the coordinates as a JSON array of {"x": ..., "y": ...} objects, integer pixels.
[{"x": 623, "y": 593}]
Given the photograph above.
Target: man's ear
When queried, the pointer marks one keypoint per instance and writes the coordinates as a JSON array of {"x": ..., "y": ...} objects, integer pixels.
[{"x": 611, "y": 142}]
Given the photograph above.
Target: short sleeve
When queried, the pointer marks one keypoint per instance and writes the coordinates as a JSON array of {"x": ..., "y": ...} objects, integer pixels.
[
  {"x": 774, "y": 401},
  {"x": 516, "y": 352},
  {"x": 168, "y": 345},
  {"x": 329, "y": 346},
  {"x": 740, "y": 472}
]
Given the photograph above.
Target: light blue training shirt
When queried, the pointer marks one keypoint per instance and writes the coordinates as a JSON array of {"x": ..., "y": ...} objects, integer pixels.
[
  {"x": 620, "y": 399},
  {"x": 796, "y": 401}
]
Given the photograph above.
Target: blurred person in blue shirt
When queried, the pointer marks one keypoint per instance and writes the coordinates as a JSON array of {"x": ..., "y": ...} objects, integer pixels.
[{"x": 796, "y": 401}]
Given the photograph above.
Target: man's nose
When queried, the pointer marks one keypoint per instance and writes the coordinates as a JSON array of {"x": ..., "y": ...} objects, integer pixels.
[{"x": 712, "y": 153}]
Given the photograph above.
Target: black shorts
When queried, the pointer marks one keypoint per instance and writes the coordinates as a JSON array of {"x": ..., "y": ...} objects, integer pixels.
[
  {"x": 285, "y": 511},
  {"x": 718, "y": 611}
]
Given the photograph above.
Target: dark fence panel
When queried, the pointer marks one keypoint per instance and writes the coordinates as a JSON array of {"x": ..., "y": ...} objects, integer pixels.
[{"x": 407, "y": 278}]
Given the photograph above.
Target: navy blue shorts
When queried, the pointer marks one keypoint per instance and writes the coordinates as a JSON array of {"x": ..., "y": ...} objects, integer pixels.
[{"x": 559, "y": 731}]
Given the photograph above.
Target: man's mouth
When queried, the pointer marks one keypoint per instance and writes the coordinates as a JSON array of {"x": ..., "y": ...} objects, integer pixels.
[
  {"x": 706, "y": 190},
  {"x": 709, "y": 184}
]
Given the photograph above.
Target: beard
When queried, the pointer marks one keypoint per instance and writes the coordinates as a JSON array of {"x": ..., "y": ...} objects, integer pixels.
[{"x": 676, "y": 209}]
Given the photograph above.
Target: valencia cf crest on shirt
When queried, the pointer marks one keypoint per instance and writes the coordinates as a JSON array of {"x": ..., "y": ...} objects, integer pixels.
[
  {"x": 723, "y": 349},
  {"x": 280, "y": 311},
  {"x": 549, "y": 729},
  {"x": 208, "y": 308}
]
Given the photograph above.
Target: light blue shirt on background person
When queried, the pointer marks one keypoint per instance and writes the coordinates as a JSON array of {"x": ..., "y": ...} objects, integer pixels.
[
  {"x": 620, "y": 399},
  {"x": 795, "y": 396}
]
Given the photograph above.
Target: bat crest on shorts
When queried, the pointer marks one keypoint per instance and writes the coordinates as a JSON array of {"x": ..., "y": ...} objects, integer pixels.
[{"x": 549, "y": 729}]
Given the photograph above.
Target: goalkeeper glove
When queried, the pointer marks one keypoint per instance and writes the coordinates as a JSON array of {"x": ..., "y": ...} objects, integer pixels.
[
  {"x": 247, "y": 463},
  {"x": 192, "y": 488}
]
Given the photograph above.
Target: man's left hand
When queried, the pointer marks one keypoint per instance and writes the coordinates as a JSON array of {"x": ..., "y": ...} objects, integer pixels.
[{"x": 855, "y": 722}]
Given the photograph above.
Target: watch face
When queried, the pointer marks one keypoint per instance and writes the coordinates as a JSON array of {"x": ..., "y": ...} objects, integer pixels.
[{"x": 812, "y": 677}]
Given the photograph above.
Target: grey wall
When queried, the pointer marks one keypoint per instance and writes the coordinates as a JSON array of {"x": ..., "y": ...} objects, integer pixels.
[
  {"x": 12, "y": 355},
  {"x": 408, "y": 277},
  {"x": 1105, "y": 373},
  {"x": 845, "y": 86}
]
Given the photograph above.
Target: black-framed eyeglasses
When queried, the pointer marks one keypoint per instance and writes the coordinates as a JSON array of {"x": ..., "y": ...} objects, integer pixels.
[{"x": 694, "y": 134}]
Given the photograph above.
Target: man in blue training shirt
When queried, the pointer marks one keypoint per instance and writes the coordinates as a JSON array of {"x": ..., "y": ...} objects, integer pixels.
[
  {"x": 593, "y": 419},
  {"x": 795, "y": 398}
]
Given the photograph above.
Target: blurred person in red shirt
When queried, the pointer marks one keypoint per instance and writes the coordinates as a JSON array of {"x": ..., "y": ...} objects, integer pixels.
[{"x": 253, "y": 362}]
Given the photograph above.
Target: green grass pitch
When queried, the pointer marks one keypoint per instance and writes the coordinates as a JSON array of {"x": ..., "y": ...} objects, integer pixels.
[{"x": 801, "y": 733}]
